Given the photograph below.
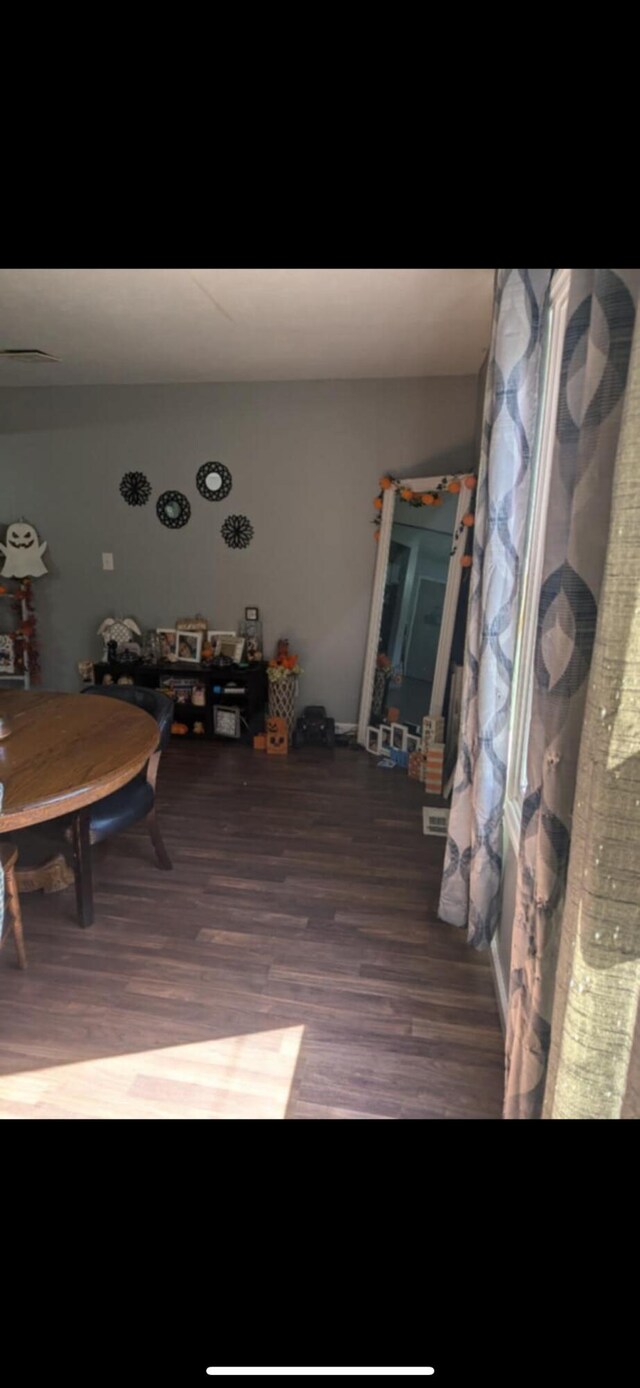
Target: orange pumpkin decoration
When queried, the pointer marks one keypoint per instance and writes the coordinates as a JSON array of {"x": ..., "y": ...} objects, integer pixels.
[
  {"x": 437, "y": 501},
  {"x": 454, "y": 487},
  {"x": 376, "y": 535},
  {"x": 378, "y": 503},
  {"x": 406, "y": 494},
  {"x": 427, "y": 499},
  {"x": 470, "y": 482},
  {"x": 385, "y": 483},
  {"x": 468, "y": 519},
  {"x": 466, "y": 561}
]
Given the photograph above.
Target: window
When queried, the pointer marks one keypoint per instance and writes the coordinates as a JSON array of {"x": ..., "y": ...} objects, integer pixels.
[{"x": 522, "y": 693}]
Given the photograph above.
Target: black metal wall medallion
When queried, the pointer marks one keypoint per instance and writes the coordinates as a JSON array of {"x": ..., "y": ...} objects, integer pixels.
[
  {"x": 135, "y": 489},
  {"x": 237, "y": 532},
  {"x": 173, "y": 509},
  {"x": 213, "y": 481}
]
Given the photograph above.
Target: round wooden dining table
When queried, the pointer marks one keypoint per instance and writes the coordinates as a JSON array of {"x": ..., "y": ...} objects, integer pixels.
[{"x": 62, "y": 753}]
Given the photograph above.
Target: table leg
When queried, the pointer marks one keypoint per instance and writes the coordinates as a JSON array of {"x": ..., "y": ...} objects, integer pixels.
[{"x": 82, "y": 868}]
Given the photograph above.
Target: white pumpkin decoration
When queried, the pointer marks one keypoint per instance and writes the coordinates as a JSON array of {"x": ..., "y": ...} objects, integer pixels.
[
  {"x": 121, "y": 630},
  {"x": 23, "y": 552}
]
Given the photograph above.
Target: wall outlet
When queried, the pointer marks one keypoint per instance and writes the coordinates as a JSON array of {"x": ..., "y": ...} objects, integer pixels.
[{"x": 107, "y": 561}]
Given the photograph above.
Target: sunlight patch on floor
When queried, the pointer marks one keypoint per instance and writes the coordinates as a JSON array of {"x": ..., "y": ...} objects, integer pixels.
[{"x": 235, "y": 1077}]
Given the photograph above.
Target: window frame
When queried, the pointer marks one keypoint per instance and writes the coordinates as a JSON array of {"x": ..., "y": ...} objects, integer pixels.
[{"x": 523, "y": 670}]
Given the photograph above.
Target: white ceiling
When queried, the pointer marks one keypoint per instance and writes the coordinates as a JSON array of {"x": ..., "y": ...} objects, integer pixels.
[{"x": 126, "y": 327}]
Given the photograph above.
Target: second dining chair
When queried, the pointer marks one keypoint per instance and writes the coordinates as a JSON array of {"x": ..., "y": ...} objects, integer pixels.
[
  {"x": 136, "y": 800},
  {"x": 8, "y": 857}
]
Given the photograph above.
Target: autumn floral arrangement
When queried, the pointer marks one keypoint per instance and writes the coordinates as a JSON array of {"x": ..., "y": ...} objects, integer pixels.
[
  {"x": 283, "y": 666},
  {"x": 433, "y": 498},
  {"x": 25, "y": 635}
]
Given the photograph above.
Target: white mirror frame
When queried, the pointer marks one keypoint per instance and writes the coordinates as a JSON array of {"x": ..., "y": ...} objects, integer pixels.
[{"x": 416, "y": 484}]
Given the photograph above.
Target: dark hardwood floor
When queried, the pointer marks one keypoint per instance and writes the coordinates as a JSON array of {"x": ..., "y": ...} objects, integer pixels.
[{"x": 290, "y": 965}]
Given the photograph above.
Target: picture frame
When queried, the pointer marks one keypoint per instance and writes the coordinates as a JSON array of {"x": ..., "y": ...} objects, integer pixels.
[
  {"x": 233, "y": 648},
  {"x": 216, "y": 637},
  {"x": 168, "y": 638},
  {"x": 413, "y": 743},
  {"x": 226, "y": 721},
  {"x": 7, "y": 655},
  {"x": 190, "y": 647},
  {"x": 372, "y": 739},
  {"x": 252, "y": 614},
  {"x": 399, "y": 735},
  {"x": 384, "y": 737}
]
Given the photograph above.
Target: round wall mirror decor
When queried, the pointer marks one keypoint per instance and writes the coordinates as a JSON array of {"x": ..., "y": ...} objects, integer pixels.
[
  {"x": 213, "y": 481},
  {"x": 173, "y": 509}
]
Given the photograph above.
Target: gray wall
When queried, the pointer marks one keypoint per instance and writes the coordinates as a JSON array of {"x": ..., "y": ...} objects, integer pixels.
[{"x": 305, "y": 457}]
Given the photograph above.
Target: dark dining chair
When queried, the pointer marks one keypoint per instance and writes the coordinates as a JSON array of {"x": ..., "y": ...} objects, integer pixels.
[
  {"x": 8, "y": 857},
  {"x": 136, "y": 800}
]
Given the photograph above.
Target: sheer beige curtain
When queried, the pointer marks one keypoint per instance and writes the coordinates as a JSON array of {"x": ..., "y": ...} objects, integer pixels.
[{"x": 594, "y": 1057}]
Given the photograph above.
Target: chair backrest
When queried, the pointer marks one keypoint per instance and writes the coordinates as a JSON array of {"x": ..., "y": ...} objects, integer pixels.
[{"x": 151, "y": 700}]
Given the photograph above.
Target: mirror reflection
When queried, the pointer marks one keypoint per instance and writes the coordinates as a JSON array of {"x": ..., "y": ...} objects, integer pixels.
[{"x": 412, "y": 610}]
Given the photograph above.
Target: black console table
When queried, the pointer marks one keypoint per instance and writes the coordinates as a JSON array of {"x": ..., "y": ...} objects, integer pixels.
[{"x": 233, "y": 686}]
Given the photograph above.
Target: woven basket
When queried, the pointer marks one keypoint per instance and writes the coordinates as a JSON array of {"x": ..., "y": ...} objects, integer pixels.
[{"x": 282, "y": 701}]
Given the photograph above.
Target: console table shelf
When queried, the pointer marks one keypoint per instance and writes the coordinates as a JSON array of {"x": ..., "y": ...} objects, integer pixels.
[{"x": 232, "y": 686}]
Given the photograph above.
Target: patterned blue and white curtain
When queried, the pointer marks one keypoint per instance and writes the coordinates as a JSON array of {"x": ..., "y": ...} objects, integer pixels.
[
  {"x": 1, "y": 872},
  {"x": 595, "y": 362},
  {"x": 471, "y": 884}
]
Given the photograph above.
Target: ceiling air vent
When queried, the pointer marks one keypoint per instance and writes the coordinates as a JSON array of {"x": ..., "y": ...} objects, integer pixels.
[{"x": 26, "y": 354}]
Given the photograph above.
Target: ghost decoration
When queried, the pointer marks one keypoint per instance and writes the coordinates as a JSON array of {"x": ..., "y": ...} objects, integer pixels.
[
  {"x": 121, "y": 630},
  {"x": 23, "y": 552}
]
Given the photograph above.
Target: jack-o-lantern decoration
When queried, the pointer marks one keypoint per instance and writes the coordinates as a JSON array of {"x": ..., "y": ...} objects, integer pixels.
[{"x": 277, "y": 737}]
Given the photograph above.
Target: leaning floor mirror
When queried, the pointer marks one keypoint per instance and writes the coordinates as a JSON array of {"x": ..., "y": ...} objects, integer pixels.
[{"x": 413, "y": 607}]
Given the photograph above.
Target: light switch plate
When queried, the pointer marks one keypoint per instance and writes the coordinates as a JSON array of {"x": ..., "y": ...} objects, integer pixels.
[{"x": 107, "y": 561}]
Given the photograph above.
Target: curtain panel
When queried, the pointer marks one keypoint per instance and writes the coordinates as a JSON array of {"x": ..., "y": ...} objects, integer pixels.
[
  {"x": 470, "y": 893},
  {"x": 1, "y": 873},
  {"x": 595, "y": 1050},
  {"x": 594, "y": 370}
]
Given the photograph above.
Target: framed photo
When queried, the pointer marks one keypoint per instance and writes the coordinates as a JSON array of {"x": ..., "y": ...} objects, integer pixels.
[
  {"x": 226, "y": 721},
  {"x": 252, "y": 614},
  {"x": 190, "y": 646},
  {"x": 399, "y": 735},
  {"x": 384, "y": 737},
  {"x": 7, "y": 656},
  {"x": 372, "y": 739},
  {"x": 168, "y": 638},
  {"x": 413, "y": 743},
  {"x": 233, "y": 648},
  {"x": 216, "y": 637}
]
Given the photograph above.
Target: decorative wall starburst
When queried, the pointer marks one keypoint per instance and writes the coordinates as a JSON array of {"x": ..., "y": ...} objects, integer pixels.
[
  {"x": 135, "y": 489},
  {"x": 237, "y": 532}
]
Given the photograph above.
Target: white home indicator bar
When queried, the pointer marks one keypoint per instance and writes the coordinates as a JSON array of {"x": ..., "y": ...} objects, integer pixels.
[{"x": 274, "y": 1373}]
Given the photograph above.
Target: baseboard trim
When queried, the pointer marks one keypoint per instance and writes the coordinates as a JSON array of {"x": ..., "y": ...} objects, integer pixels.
[{"x": 500, "y": 982}]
